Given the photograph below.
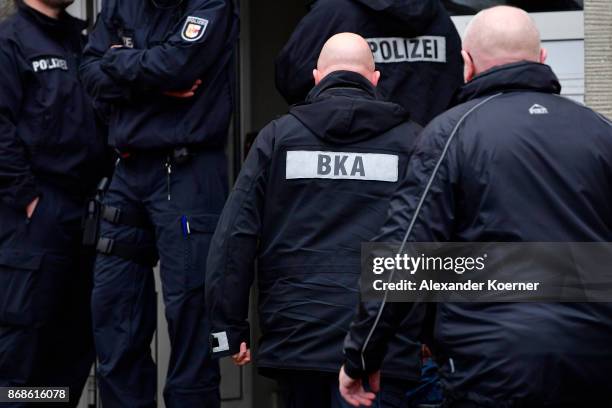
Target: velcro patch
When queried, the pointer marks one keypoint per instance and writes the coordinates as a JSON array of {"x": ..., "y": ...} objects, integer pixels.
[
  {"x": 303, "y": 164},
  {"x": 49, "y": 64},
  {"x": 194, "y": 28},
  {"x": 222, "y": 342},
  {"x": 128, "y": 42},
  {"x": 426, "y": 48}
]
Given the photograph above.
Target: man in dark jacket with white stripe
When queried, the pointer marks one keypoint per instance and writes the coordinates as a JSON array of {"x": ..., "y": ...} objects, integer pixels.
[
  {"x": 513, "y": 162},
  {"x": 315, "y": 186}
]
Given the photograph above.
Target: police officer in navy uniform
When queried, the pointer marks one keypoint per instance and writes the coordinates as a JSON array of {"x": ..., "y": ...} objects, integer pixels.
[
  {"x": 52, "y": 155},
  {"x": 513, "y": 162},
  {"x": 415, "y": 45},
  {"x": 315, "y": 185},
  {"x": 165, "y": 69}
]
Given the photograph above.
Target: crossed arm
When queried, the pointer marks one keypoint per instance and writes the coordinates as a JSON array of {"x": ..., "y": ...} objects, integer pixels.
[{"x": 112, "y": 72}]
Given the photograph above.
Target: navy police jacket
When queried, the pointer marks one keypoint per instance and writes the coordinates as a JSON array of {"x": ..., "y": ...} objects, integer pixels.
[
  {"x": 316, "y": 184},
  {"x": 163, "y": 49},
  {"x": 48, "y": 129},
  {"x": 513, "y": 162},
  {"x": 415, "y": 45}
]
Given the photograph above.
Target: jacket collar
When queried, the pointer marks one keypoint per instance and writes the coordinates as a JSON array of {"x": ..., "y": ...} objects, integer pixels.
[
  {"x": 65, "y": 24},
  {"x": 520, "y": 76},
  {"x": 342, "y": 83},
  {"x": 343, "y": 109}
]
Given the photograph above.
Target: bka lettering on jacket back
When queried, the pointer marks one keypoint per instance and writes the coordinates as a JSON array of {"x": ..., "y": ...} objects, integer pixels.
[
  {"x": 49, "y": 64},
  {"x": 427, "y": 48},
  {"x": 342, "y": 166}
]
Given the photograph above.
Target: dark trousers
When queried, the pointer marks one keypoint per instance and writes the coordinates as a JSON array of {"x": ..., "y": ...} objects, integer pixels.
[
  {"x": 45, "y": 289},
  {"x": 124, "y": 302},
  {"x": 307, "y": 389}
]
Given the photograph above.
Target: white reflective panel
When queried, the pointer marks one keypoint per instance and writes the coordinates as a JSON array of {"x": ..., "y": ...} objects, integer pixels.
[{"x": 304, "y": 164}]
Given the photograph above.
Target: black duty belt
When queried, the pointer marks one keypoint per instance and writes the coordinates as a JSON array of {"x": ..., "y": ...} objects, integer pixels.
[
  {"x": 178, "y": 155},
  {"x": 137, "y": 219},
  {"x": 144, "y": 255}
]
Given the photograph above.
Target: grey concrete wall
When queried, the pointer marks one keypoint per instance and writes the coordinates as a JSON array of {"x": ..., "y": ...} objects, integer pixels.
[
  {"x": 598, "y": 54},
  {"x": 6, "y": 8}
]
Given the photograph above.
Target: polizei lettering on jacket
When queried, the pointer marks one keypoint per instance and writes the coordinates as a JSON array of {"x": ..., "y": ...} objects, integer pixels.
[
  {"x": 427, "y": 48},
  {"x": 342, "y": 166},
  {"x": 49, "y": 64}
]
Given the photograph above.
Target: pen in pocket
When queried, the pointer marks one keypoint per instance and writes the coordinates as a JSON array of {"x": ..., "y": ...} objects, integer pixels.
[{"x": 185, "y": 226}]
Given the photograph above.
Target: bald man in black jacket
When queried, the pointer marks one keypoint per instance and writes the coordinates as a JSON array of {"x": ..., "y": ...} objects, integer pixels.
[
  {"x": 315, "y": 186},
  {"x": 513, "y": 162}
]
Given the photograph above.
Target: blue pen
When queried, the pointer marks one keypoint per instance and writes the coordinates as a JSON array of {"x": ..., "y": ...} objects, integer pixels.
[{"x": 185, "y": 226}]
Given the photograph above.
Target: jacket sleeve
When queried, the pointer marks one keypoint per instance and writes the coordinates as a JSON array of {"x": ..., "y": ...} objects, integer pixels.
[
  {"x": 17, "y": 183},
  {"x": 232, "y": 254},
  {"x": 101, "y": 86},
  {"x": 298, "y": 58},
  {"x": 421, "y": 210},
  {"x": 179, "y": 61}
]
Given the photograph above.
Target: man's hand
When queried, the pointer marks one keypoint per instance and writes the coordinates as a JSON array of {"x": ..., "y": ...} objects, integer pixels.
[
  {"x": 32, "y": 207},
  {"x": 189, "y": 93},
  {"x": 353, "y": 392},
  {"x": 243, "y": 357},
  {"x": 426, "y": 353}
]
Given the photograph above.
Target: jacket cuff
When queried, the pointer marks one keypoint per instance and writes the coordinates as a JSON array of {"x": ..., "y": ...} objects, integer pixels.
[
  {"x": 352, "y": 370},
  {"x": 115, "y": 69},
  {"x": 353, "y": 364},
  {"x": 227, "y": 342}
]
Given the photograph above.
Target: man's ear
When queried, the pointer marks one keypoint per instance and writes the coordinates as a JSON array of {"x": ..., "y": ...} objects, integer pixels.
[
  {"x": 543, "y": 55},
  {"x": 468, "y": 66},
  {"x": 316, "y": 75},
  {"x": 375, "y": 77}
]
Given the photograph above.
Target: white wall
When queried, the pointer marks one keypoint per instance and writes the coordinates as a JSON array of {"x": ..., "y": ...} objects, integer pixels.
[
  {"x": 563, "y": 36},
  {"x": 78, "y": 9}
]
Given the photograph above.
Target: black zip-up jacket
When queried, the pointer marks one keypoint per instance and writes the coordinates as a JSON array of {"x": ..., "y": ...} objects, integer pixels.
[
  {"x": 48, "y": 129},
  {"x": 315, "y": 185},
  {"x": 163, "y": 49},
  {"x": 514, "y": 162},
  {"x": 415, "y": 45}
]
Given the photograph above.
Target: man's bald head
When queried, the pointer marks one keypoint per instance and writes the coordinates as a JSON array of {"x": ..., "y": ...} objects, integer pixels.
[
  {"x": 346, "y": 52},
  {"x": 498, "y": 36}
]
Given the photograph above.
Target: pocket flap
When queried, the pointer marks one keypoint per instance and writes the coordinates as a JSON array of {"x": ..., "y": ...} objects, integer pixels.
[
  {"x": 203, "y": 223},
  {"x": 20, "y": 260}
]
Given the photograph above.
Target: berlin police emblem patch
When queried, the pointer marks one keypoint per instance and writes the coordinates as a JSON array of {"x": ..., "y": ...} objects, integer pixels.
[{"x": 194, "y": 28}]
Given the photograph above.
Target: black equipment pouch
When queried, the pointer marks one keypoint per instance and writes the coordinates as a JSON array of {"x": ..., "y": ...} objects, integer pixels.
[
  {"x": 91, "y": 221},
  {"x": 91, "y": 225}
]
